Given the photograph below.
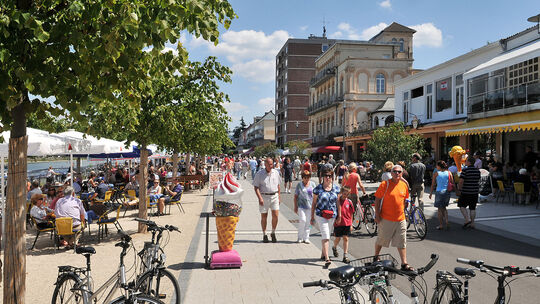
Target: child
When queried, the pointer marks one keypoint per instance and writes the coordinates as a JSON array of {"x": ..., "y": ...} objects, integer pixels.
[{"x": 343, "y": 228}]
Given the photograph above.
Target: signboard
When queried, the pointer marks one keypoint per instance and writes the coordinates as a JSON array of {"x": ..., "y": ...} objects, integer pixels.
[
  {"x": 444, "y": 86},
  {"x": 215, "y": 178}
]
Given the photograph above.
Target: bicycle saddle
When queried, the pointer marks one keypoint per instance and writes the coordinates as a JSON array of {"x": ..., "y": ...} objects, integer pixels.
[
  {"x": 464, "y": 272},
  {"x": 341, "y": 274},
  {"x": 385, "y": 263},
  {"x": 85, "y": 250}
]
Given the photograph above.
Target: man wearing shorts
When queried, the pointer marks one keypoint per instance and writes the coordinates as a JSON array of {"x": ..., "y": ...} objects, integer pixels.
[
  {"x": 469, "y": 187},
  {"x": 267, "y": 189},
  {"x": 390, "y": 216}
]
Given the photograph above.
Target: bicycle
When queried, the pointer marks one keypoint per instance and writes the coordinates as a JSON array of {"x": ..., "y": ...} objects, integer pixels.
[
  {"x": 449, "y": 288},
  {"x": 154, "y": 279},
  {"x": 365, "y": 213},
  {"x": 415, "y": 215},
  {"x": 75, "y": 284},
  {"x": 375, "y": 274}
]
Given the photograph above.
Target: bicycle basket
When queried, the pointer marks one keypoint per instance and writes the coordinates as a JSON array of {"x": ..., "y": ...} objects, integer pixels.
[{"x": 368, "y": 261}]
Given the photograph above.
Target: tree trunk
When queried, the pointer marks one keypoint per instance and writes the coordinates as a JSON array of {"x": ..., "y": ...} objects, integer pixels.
[
  {"x": 175, "y": 164},
  {"x": 143, "y": 178},
  {"x": 15, "y": 251},
  {"x": 187, "y": 162}
]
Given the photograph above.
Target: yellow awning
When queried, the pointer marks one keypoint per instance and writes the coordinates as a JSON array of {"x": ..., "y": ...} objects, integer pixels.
[{"x": 505, "y": 123}]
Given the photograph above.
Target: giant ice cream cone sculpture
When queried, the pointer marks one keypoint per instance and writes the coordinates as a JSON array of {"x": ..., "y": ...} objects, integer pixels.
[
  {"x": 459, "y": 155},
  {"x": 227, "y": 208}
]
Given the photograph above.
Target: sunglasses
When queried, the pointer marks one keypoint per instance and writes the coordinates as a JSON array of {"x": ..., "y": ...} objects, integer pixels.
[
  {"x": 328, "y": 175},
  {"x": 397, "y": 172}
]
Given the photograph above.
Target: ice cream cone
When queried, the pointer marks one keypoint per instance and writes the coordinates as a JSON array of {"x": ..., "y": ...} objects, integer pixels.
[
  {"x": 457, "y": 159},
  {"x": 226, "y": 227}
]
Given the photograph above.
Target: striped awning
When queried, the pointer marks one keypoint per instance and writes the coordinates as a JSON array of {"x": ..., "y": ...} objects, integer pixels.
[{"x": 497, "y": 124}]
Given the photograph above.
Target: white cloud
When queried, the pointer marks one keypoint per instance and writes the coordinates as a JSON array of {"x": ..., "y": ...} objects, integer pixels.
[
  {"x": 345, "y": 31},
  {"x": 268, "y": 103},
  {"x": 170, "y": 49},
  {"x": 234, "y": 107},
  {"x": 252, "y": 53},
  {"x": 372, "y": 31},
  {"x": 304, "y": 28},
  {"x": 385, "y": 4},
  {"x": 427, "y": 34}
]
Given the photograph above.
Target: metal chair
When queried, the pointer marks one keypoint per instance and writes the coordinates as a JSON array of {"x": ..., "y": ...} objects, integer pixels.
[
  {"x": 519, "y": 192},
  {"x": 64, "y": 227},
  {"x": 107, "y": 198},
  {"x": 177, "y": 203},
  {"x": 503, "y": 191},
  {"x": 40, "y": 230},
  {"x": 129, "y": 197},
  {"x": 104, "y": 221}
]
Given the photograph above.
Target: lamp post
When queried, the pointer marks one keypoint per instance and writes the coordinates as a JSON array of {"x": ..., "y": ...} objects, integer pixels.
[
  {"x": 344, "y": 132},
  {"x": 297, "y": 123}
]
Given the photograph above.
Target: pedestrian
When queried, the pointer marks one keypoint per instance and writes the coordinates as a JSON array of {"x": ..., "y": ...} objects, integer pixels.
[
  {"x": 441, "y": 179},
  {"x": 325, "y": 209},
  {"x": 387, "y": 169},
  {"x": 306, "y": 165},
  {"x": 287, "y": 170},
  {"x": 303, "y": 198},
  {"x": 331, "y": 160},
  {"x": 353, "y": 181},
  {"x": 478, "y": 160},
  {"x": 297, "y": 167},
  {"x": 417, "y": 170},
  {"x": 342, "y": 229},
  {"x": 267, "y": 188},
  {"x": 390, "y": 215},
  {"x": 340, "y": 171},
  {"x": 253, "y": 167},
  {"x": 468, "y": 190}
]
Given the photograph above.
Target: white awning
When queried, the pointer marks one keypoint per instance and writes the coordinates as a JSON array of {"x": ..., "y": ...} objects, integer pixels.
[{"x": 526, "y": 52}]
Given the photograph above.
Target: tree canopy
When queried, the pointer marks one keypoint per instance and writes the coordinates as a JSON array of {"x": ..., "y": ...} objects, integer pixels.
[
  {"x": 298, "y": 148},
  {"x": 268, "y": 149}
]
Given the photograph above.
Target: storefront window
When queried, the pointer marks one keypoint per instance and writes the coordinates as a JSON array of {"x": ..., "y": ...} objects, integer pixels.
[{"x": 443, "y": 98}]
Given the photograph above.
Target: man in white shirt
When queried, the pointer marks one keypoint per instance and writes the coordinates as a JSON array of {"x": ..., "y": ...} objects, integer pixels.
[{"x": 267, "y": 189}]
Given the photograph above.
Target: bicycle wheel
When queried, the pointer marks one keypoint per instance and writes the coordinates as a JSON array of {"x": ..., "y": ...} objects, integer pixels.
[
  {"x": 64, "y": 291},
  {"x": 420, "y": 223},
  {"x": 378, "y": 295},
  {"x": 445, "y": 293},
  {"x": 357, "y": 217},
  {"x": 369, "y": 220},
  {"x": 137, "y": 299},
  {"x": 407, "y": 218},
  {"x": 162, "y": 285}
]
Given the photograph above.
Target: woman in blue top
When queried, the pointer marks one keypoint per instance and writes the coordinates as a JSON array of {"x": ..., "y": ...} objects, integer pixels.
[
  {"x": 325, "y": 209},
  {"x": 441, "y": 178},
  {"x": 303, "y": 198}
]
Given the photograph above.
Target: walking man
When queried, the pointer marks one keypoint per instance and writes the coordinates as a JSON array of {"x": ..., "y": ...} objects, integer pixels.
[
  {"x": 416, "y": 175},
  {"x": 469, "y": 187},
  {"x": 390, "y": 216},
  {"x": 267, "y": 189},
  {"x": 253, "y": 166},
  {"x": 297, "y": 166}
]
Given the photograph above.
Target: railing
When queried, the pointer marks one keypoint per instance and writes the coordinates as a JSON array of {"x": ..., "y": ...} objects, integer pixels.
[
  {"x": 504, "y": 98},
  {"x": 322, "y": 76},
  {"x": 323, "y": 104}
]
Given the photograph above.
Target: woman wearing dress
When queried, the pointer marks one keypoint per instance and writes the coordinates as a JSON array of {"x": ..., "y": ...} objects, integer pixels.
[
  {"x": 441, "y": 178},
  {"x": 303, "y": 198},
  {"x": 325, "y": 209}
]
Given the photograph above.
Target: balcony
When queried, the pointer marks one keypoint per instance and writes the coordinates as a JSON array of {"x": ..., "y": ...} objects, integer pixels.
[
  {"x": 504, "y": 98},
  {"x": 323, "y": 104},
  {"x": 322, "y": 76}
]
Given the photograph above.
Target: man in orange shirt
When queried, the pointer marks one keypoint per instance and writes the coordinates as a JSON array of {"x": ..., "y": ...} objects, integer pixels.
[{"x": 390, "y": 216}]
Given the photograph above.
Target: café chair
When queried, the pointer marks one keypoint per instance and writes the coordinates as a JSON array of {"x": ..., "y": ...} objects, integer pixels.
[{"x": 40, "y": 230}]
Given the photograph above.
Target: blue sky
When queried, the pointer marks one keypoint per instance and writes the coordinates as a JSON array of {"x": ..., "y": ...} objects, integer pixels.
[{"x": 445, "y": 29}]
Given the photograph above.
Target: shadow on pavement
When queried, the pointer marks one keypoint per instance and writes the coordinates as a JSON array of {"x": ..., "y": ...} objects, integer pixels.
[
  {"x": 187, "y": 265},
  {"x": 302, "y": 261}
]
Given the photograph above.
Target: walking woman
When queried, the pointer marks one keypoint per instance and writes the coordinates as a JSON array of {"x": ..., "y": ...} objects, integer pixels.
[
  {"x": 325, "y": 209},
  {"x": 441, "y": 179},
  {"x": 303, "y": 198}
]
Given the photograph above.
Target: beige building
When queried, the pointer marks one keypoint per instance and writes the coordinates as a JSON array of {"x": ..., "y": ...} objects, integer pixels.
[
  {"x": 356, "y": 78},
  {"x": 260, "y": 132}
]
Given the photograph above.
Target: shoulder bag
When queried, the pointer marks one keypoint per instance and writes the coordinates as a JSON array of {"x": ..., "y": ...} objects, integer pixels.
[{"x": 450, "y": 186}]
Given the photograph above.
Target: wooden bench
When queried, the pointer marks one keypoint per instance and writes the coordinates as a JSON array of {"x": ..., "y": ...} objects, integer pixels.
[{"x": 187, "y": 180}]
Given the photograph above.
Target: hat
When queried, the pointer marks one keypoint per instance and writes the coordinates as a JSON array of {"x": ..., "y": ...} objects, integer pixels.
[{"x": 35, "y": 197}]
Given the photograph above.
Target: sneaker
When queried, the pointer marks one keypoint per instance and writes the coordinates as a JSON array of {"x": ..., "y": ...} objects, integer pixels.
[
  {"x": 299, "y": 241},
  {"x": 273, "y": 236},
  {"x": 265, "y": 239},
  {"x": 307, "y": 242},
  {"x": 346, "y": 260},
  {"x": 334, "y": 251}
]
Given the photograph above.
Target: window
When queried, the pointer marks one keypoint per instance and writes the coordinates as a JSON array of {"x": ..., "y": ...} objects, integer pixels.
[
  {"x": 405, "y": 112},
  {"x": 459, "y": 95},
  {"x": 376, "y": 121},
  {"x": 285, "y": 100},
  {"x": 342, "y": 85},
  {"x": 418, "y": 92},
  {"x": 286, "y": 61},
  {"x": 401, "y": 45},
  {"x": 443, "y": 97},
  {"x": 381, "y": 84},
  {"x": 429, "y": 101},
  {"x": 286, "y": 75},
  {"x": 324, "y": 47},
  {"x": 406, "y": 95}
]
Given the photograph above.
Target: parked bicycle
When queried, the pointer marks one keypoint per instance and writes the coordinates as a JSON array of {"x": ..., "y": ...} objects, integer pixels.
[
  {"x": 376, "y": 272},
  {"x": 75, "y": 284},
  {"x": 450, "y": 289},
  {"x": 364, "y": 213},
  {"x": 154, "y": 279},
  {"x": 414, "y": 215}
]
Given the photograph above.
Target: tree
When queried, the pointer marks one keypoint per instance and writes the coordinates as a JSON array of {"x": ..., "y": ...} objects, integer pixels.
[
  {"x": 237, "y": 132},
  {"x": 268, "y": 149},
  {"x": 77, "y": 53},
  {"x": 299, "y": 148},
  {"x": 390, "y": 143}
]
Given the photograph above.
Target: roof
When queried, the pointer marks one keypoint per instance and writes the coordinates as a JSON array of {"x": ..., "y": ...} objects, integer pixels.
[
  {"x": 395, "y": 27},
  {"x": 388, "y": 106},
  {"x": 525, "y": 31}
]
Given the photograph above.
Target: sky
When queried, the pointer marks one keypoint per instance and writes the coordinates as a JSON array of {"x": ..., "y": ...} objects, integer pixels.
[{"x": 445, "y": 29}]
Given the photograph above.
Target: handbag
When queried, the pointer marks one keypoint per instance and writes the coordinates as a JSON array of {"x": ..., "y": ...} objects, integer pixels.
[
  {"x": 450, "y": 186},
  {"x": 327, "y": 214}
]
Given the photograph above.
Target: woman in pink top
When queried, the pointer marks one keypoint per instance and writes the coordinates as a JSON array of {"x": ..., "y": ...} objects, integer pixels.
[{"x": 351, "y": 180}]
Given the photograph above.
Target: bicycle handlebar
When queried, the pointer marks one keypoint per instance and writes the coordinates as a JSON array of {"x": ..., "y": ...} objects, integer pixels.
[
  {"x": 434, "y": 259},
  {"x": 320, "y": 283},
  {"x": 146, "y": 222},
  {"x": 505, "y": 271}
]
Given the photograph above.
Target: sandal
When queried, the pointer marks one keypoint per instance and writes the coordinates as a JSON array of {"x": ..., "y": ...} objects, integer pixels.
[
  {"x": 466, "y": 225},
  {"x": 327, "y": 264},
  {"x": 406, "y": 267},
  {"x": 439, "y": 228}
]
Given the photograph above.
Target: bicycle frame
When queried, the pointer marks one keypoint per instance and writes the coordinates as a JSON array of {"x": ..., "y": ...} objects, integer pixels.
[{"x": 116, "y": 279}]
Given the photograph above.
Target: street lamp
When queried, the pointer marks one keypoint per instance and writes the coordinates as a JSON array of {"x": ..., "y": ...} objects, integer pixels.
[
  {"x": 297, "y": 123},
  {"x": 344, "y": 132}
]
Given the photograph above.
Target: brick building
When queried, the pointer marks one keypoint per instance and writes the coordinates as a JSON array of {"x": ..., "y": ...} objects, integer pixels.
[{"x": 295, "y": 66}]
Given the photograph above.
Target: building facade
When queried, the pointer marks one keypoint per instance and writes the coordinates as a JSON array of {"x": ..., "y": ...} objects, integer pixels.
[
  {"x": 295, "y": 66},
  {"x": 260, "y": 132},
  {"x": 354, "y": 79}
]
